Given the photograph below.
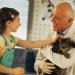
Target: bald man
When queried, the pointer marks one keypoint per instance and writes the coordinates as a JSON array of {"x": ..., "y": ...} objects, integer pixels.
[{"x": 63, "y": 23}]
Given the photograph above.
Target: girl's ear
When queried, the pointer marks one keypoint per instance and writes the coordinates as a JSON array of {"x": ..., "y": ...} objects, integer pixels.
[{"x": 8, "y": 22}]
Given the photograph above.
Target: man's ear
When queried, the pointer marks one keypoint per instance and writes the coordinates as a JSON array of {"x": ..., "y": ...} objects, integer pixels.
[{"x": 70, "y": 20}]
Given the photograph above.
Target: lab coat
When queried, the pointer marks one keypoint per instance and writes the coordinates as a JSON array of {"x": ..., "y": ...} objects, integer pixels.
[{"x": 58, "y": 59}]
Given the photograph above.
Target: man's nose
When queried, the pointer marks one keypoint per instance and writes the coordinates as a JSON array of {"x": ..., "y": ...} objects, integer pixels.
[{"x": 54, "y": 19}]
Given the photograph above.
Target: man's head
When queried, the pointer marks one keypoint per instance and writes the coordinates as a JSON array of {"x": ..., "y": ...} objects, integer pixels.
[{"x": 62, "y": 17}]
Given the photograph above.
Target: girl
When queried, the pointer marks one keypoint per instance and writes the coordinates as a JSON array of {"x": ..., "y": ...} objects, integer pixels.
[{"x": 9, "y": 22}]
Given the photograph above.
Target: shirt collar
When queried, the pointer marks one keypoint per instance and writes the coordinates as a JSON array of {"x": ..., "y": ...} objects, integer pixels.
[{"x": 65, "y": 32}]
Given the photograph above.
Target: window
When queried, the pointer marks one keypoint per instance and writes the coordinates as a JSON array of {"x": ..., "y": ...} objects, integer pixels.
[{"x": 22, "y": 7}]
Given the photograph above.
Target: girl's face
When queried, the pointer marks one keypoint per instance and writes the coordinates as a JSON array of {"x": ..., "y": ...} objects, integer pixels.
[{"x": 13, "y": 25}]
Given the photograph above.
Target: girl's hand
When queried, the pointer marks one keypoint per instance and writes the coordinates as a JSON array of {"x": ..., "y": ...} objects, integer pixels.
[
  {"x": 18, "y": 71},
  {"x": 55, "y": 37}
]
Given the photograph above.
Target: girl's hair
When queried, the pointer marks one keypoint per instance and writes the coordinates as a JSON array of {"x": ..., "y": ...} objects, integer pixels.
[{"x": 6, "y": 14}]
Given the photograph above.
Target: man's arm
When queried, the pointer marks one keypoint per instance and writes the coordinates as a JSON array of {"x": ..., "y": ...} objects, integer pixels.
[
  {"x": 41, "y": 66},
  {"x": 60, "y": 60},
  {"x": 39, "y": 58}
]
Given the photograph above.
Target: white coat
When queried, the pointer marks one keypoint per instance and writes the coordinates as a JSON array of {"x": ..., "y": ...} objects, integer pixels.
[{"x": 59, "y": 59}]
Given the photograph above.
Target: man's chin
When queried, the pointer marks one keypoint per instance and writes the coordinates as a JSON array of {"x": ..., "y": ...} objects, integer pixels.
[{"x": 56, "y": 30}]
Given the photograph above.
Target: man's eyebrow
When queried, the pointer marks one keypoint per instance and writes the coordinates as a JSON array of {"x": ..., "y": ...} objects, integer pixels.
[{"x": 52, "y": 14}]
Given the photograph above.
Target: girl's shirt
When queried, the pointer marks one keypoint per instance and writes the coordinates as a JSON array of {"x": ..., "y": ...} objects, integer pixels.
[{"x": 7, "y": 48}]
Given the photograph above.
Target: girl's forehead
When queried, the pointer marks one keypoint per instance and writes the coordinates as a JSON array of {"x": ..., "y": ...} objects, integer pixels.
[{"x": 17, "y": 17}]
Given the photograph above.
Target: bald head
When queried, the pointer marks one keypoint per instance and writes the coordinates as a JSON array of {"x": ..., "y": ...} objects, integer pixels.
[
  {"x": 65, "y": 9},
  {"x": 64, "y": 5}
]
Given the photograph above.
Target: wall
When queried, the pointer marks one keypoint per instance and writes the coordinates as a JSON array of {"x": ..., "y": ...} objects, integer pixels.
[{"x": 38, "y": 28}]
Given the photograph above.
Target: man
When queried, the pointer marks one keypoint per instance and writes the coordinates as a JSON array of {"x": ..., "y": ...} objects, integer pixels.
[{"x": 63, "y": 22}]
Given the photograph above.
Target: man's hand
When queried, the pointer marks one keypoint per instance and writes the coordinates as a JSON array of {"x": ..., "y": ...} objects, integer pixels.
[{"x": 46, "y": 67}]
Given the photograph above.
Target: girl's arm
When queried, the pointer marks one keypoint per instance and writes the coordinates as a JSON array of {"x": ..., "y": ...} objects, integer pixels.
[
  {"x": 4, "y": 69},
  {"x": 15, "y": 71},
  {"x": 33, "y": 44},
  {"x": 37, "y": 43}
]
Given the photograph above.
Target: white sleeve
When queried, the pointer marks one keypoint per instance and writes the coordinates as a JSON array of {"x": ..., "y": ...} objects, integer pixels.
[{"x": 39, "y": 58}]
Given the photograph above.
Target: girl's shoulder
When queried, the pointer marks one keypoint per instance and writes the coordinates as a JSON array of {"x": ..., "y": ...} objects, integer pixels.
[
  {"x": 2, "y": 45},
  {"x": 2, "y": 41},
  {"x": 14, "y": 38}
]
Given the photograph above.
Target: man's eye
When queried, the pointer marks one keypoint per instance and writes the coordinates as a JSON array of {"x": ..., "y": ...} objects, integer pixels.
[
  {"x": 51, "y": 15},
  {"x": 58, "y": 18}
]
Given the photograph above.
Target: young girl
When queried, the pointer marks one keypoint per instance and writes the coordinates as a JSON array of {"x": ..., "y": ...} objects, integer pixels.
[{"x": 9, "y": 22}]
